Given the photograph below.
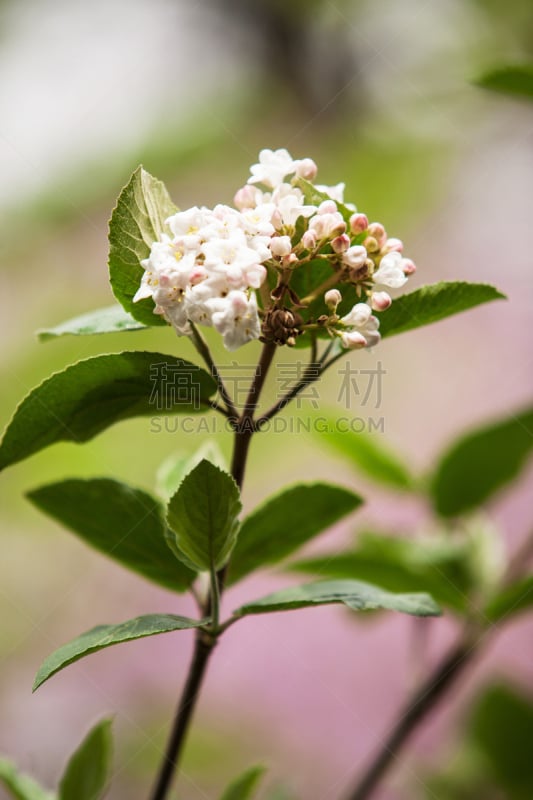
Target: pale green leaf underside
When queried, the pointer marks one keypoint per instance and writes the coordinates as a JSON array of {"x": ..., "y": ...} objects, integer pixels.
[
  {"x": 104, "y": 320},
  {"x": 124, "y": 523},
  {"x": 432, "y": 304},
  {"x": 356, "y": 595},
  {"x": 86, "y": 398},
  {"x": 367, "y": 453},
  {"x": 20, "y": 786},
  {"x": 88, "y": 770},
  {"x": 137, "y": 221},
  {"x": 173, "y": 470},
  {"x": 438, "y": 567},
  {"x": 203, "y": 517},
  {"x": 107, "y": 635},
  {"x": 481, "y": 463},
  {"x": 287, "y": 521}
]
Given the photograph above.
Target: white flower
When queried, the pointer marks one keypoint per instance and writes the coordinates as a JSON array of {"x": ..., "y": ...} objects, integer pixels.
[
  {"x": 363, "y": 327},
  {"x": 327, "y": 225},
  {"x": 235, "y": 317},
  {"x": 335, "y": 192},
  {"x": 355, "y": 256},
  {"x": 273, "y": 167},
  {"x": 280, "y": 246},
  {"x": 390, "y": 272},
  {"x": 290, "y": 205}
]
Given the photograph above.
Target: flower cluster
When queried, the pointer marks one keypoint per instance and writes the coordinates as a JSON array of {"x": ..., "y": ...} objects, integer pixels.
[{"x": 213, "y": 264}]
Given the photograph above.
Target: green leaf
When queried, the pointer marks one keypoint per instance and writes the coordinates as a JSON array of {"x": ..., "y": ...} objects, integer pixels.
[
  {"x": 502, "y": 727},
  {"x": 20, "y": 786},
  {"x": 511, "y": 600},
  {"x": 433, "y": 303},
  {"x": 480, "y": 463},
  {"x": 287, "y": 521},
  {"x": 137, "y": 221},
  {"x": 356, "y": 595},
  {"x": 366, "y": 453},
  {"x": 107, "y": 635},
  {"x": 514, "y": 79},
  {"x": 88, "y": 770},
  {"x": 125, "y": 524},
  {"x": 84, "y": 399},
  {"x": 203, "y": 517},
  {"x": 435, "y": 565},
  {"x": 243, "y": 786},
  {"x": 105, "y": 320},
  {"x": 173, "y": 470}
]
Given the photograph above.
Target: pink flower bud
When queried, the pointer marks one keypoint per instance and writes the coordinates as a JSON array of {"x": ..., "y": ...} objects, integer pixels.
[
  {"x": 355, "y": 256},
  {"x": 358, "y": 223},
  {"x": 280, "y": 246},
  {"x": 307, "y": 169},
  {"x": 245, "y": 198},
  {"x": 277, "y": 219},
  {"x": 341, "y": 243},
  {"x": 327, "y": 207},
  {"x": 393, "y": 245},
  {"x": 408, "y": 266},
  {"x": 353, "y": 340},
  {"x": 377, "y": 230},
  {"x": 332, "y": 298},
  {"x": 309, "y": 240},
  {"x": 380, "y": 301}
]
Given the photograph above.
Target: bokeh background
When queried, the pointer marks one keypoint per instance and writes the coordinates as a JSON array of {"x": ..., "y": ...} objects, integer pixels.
[{"x": 380, "y": 94}]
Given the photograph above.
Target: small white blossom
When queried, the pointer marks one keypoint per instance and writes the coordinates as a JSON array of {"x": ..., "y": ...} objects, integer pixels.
[
  {"x": 355, "y": 256},
  {"x": 280, "y": 246},
  {"x": 335, "y": 192},
  {"x": 390, "y": 272},
  {"x": 363, "y": 327},
  {"x": 236, "y": 318},
  {"x": 273, "y": 167}
]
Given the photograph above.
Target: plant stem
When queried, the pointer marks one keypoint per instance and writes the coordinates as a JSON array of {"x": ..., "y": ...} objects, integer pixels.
[
  {"x": 420, "y": 704},
  {"x": 313, "y": 372},
  {"x": 202, "y": 650},
  {"x": 204, "y": 642},
  {"x": 445, "y": 674}
]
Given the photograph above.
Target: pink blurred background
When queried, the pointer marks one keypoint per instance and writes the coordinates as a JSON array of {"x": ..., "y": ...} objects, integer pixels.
[{"x": 194, "y": 91}]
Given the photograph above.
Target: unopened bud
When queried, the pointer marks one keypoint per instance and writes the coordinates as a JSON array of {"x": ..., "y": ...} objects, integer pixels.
[
  {"x": 332, "y": 298},
  {"x": 353, "y": 340},
  {"x": 341, "y": 243},
  {"x": 358, "y": 223},
  {"x": 277, "y": 219},
  {"x": 307, "y": 169},
  {"x": 380, "y": 301},
  {"x": 371, "y": 244},
  {"x": 245, "y": 197},
  {"x": 377, "y": 230},
  {"x": 309, "y": 240},
  {"x": 393, "y": 244},
  {"x": 280, "y": 246},
  {"x": 327, "y": 207},
  {"x": 355, "y": 256},
  {"x": 408, "y": 266}
]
